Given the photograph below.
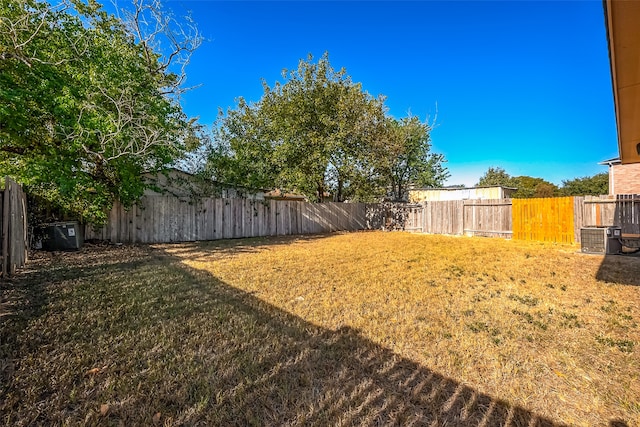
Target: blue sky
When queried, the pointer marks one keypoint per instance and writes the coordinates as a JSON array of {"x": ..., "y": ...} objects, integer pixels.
[{"x": 521, "y": 85}]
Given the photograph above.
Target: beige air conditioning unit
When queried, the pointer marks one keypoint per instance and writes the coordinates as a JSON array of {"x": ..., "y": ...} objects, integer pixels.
[{"x": 601, "y": 240}]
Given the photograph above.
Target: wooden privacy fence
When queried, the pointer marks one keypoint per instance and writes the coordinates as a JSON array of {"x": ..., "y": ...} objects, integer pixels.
[
  {"x": 394, "y": 216},
  {"x": 457, "y": 217},
  {"x": 443, "y": 217},
  {"x": 13, "y": 206},
  {"x": 556, "y": 219},
  {"x": 492, "y": 218},
  {"x": 549, "y": 219},
  {"x": 162, "y": 219},
  {"x": 622, "y": 210}
]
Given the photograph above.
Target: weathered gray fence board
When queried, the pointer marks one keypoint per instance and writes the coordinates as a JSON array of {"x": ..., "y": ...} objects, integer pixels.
[
  {"x": 488, "y": 217},
  {"x": 578, "y": 217},
  {"x": 444, "y": 217},
  {"x": 627, "y": 213},
  {"x": 159, "y": 219},
  {"x": 13, "y": 215}
]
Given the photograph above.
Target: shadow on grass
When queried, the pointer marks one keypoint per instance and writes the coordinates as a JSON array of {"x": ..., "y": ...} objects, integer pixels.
[
  {"x": 20, "y": 302},
  {"x": 153, "y": 341},
  {"x": 623, "y": 269},
  {"x": 233, "y": 247}
]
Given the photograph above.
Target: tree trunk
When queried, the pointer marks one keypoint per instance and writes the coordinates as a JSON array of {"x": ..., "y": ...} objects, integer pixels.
[{"x": 320, "y": 192}]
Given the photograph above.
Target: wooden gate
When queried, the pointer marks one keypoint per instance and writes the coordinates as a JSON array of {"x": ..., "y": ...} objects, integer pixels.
[{"x": 549, "y": 220}]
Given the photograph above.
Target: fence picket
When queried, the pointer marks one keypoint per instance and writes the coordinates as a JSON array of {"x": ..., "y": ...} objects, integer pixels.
[{"x": 14, "y": 227}]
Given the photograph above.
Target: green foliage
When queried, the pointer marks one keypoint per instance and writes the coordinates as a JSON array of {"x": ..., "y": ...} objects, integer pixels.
[
  {"x": 404, "y": 157},
  {"x": 589, "y": 185},
  {"x": 495, "y": 176},
  {"x": 537, "y": 187},
  {"x": 320, "y": 132},
  {"x": 85, "y": 104},
  {"x": 527, "y": 186}
]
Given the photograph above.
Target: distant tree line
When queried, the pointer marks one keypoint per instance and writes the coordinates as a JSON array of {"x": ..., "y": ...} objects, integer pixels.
[{"x": 528, "y": 187}]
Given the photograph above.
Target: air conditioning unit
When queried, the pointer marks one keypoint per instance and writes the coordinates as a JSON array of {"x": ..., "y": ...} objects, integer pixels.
[
  {"x": 601, "y": 240},
  {"x": 63, "y": 236}
]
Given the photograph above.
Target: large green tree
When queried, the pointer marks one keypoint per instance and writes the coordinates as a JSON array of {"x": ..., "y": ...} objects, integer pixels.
[
  {"x": 88, "y": 101},
  {"x": 589, "y": 185},
  {"x": 318, "y": 131},
  {"x": 307, "y": 134}
]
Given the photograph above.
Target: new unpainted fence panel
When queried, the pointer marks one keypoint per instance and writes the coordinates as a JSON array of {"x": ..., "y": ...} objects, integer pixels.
[
  {"x": 549, "y": 219},
  {"x": 13, "y": 217}
]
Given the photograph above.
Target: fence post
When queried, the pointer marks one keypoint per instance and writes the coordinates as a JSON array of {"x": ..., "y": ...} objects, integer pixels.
[
  {"x": 464, "y": 205},
  {"x": 5, "y": 227},
  {"x": 578, "y": 216},
  {"x": 424, "y": 216}
]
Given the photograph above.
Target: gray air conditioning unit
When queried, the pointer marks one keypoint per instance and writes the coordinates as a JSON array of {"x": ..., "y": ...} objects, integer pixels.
[
  {"x": 601, "y": 240},
  {"x": 63, "y": 236}
]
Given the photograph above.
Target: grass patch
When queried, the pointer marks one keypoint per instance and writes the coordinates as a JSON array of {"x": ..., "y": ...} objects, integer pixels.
[
  {"x": 525, "y": 299},
  {"x": 623, "y": 345},
  {"x": 326, "y": 330}
]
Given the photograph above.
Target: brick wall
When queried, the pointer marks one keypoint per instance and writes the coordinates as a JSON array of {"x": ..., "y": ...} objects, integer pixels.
[{"x": 624, "y": 179}]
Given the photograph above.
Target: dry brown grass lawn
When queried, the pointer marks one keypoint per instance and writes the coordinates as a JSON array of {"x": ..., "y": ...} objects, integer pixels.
[
  {"x": 526, "y": 322},
  {"x": 348, "y": 329}
]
